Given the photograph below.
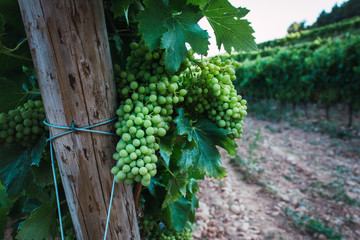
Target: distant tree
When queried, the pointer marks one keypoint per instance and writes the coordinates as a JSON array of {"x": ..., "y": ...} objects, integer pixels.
[
  {"x": 348, "y": 9},
  {"x": 322, "y": 20},
  {"x": 296, "y": 27}
]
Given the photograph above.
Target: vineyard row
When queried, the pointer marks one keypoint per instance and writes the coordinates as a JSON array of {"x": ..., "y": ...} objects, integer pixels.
[{"x": 326, "y": 74}]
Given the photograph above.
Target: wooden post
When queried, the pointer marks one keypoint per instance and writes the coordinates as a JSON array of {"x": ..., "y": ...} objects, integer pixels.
[{"x": 70, "y": 50}]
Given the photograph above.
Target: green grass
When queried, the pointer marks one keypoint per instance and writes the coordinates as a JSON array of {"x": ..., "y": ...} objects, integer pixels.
[
  {"x": 334, "y": 190},
  {"x": 311, "y": 225}
]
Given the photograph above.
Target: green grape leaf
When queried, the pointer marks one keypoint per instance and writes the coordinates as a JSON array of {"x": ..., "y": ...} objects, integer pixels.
[
  {"x": 186, "y": 159},
  {"x": 167, "y": 143},
  {"x": 165, "y": 157},
  {"x": 166, "y": 217},
  {"x": 173, "y": 30},
  {"x": 230, "y": 30},
  {"x": 15, "y": 163},
  {"x": 119, "y": 7},
  {"x": 153, "y": 185},
  {"x": 154, "y": 15},
  {"x": 30, "y": 205},
  {"x": 200, "y": 3},
  {"x": 41, "y": 224},
  {"x": 193, "y": 187},
  {"x": 196, "y": 174},
  {"x": 178, "y": 149},
  {"x": 43, "y": 173},
  {"x": 175, "y": 188},
  {"x": 37, "y": 192},
  {"x": 11, "y": 94},
  {"x": 37, "y": 151},
  {"x": 180, "y": 210},
  {"x": 207, "y": 135},
  {"x": 182, "y": 124}
]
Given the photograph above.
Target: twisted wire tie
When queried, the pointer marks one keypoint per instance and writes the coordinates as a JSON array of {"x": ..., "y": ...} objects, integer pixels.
[{"x": 75, "y": 130}]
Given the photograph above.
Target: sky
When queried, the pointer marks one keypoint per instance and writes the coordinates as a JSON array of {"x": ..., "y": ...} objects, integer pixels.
[{"x": 271, "y": 18}]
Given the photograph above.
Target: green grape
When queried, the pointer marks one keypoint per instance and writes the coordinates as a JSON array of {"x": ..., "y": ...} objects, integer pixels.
[
  {"x": 120, "y": 176},
  {"x": 116, "y": 156},
  {"x": 123, "y": 153},
  {"x": 133, "y": 156},
  {"x": 154, "y": 158},
  {"x": 149, "y": 166},
  {"x": 145, "y": 182},
  {"x": 140, "y": 163},
  {"x": 147, "y": 124},
  {"x": 147, "y": 159},
  {"x": 161, "y": 132},
  {"x": 138, "y": 121},
  {"x": 115, "y": 170},
  {"x": 134, "y": 45},
  {"x": 161, "y": 86},
  {"x": 130, "y": 148},
  {"x": 126, "y": 168},
  {"x": 136, "y": 142},
  {"x": 153, "y": 172},
  {"x": 147, "y": 177},
  {"x": 161, "y": 100},
  {"x": 150, "y": 131},
  {"x": 140, "y": 133},
  {"x": 150, "y": 139},
  {"x": 148, "y": 56},
  {"x": 156, "y": 120},
  {"x": 126, "y": 137},
  {"x": 143, "y": 170},
  {"x": 182, "y": 92},
  {"x": 135, "y": 170},
  {"x": 144, "y": 149}
]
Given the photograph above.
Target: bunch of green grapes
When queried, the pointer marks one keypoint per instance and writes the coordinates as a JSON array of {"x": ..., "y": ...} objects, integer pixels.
[
  {"x": 148, "y": 95},
  {"x": 167, "y": 234},
  {"x": 23, "y": 125},
  {"x": 212, "y": 93},
  {"x": 151, "y": 230}
]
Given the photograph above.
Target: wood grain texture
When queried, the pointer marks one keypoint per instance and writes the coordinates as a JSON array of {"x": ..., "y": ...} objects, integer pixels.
[{"x": 69, "y": 47}]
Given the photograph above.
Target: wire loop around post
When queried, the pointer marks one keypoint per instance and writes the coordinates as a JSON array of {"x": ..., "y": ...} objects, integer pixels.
[{"x": 75, "y": 130}]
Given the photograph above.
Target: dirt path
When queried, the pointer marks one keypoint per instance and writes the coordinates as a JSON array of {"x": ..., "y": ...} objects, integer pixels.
[{"x": 284, "y": 184}]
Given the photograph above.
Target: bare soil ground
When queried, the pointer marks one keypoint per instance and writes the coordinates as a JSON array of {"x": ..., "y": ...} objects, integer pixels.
[{"x": 285, "y": 183}]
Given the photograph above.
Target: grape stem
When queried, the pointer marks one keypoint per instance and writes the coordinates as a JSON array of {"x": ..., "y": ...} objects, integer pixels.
[
  {"x": 15, "y": 48},
  {"x": 34, "y": 92},
  {"x": 192, "y": 75},
  {"x": 8, "y": 51},
  {"x": 14, "y": 55}
]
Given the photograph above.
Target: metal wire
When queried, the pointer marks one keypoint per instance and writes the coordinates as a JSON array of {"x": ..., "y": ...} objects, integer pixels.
[{"x": 74, "y": 129}]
